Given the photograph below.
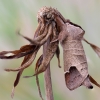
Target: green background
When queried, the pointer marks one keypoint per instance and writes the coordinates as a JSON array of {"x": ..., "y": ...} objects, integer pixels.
[{"x": 21, "y": 14}]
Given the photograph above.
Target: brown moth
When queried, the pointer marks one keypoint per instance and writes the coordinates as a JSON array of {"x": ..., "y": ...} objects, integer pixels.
[{"x": 75, "y": 62}]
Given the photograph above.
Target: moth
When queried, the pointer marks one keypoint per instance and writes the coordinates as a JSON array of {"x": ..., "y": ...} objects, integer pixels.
[
  {"x": 52, "y": 29},
  {"x": 75, "y": 64}
]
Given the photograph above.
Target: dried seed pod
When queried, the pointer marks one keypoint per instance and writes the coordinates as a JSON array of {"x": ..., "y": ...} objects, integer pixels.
[
  {"x": 23, "y": 51},
  {"x": 50, "y": 50},
  {"x": 26, "y": 63}
]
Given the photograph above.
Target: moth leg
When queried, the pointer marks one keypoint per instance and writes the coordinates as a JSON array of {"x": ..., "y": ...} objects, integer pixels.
[
  {"x": 94, "y": 47},
  {"x": 62, "y": 34},
  {"x": 57, "y": 55},
  {"x": 56, "y": 40}
]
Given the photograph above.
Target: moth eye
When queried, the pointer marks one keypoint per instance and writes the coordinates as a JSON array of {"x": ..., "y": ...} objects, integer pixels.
[{"x": 9, "y": 54}]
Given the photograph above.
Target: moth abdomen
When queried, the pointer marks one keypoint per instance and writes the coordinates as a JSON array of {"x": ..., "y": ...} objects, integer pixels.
[{"x": 87, "y": 83}]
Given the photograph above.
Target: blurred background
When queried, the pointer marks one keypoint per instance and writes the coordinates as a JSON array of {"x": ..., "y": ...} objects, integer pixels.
[{"x": 22, "y": 14}]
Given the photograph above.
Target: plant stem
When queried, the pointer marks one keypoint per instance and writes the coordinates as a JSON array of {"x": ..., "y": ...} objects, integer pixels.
[{"x": 47, "y": 77}]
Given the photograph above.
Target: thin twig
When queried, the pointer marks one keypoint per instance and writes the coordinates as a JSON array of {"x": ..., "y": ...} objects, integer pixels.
[{"x": 47, "y": 78}]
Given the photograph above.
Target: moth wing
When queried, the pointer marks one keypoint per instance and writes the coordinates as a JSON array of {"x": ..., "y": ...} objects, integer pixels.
[{"x": 74, "y": 79}]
